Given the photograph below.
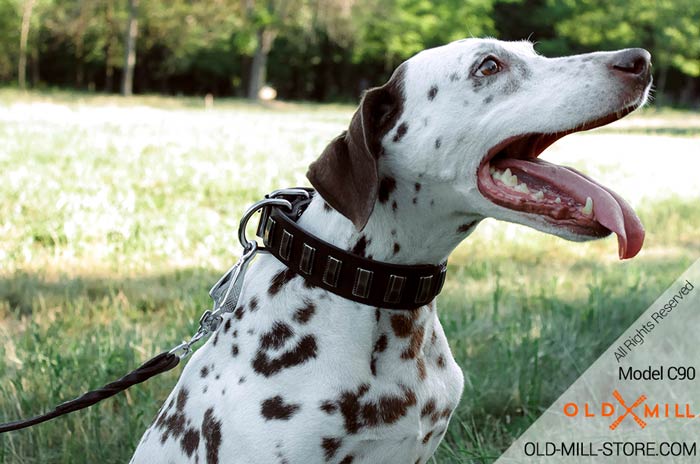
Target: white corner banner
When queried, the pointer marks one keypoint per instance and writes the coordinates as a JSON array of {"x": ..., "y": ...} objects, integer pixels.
[{"x": 639, "y": 402}]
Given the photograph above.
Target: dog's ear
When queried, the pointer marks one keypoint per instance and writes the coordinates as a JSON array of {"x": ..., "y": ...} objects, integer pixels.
[{"x": 346, "y": 172}]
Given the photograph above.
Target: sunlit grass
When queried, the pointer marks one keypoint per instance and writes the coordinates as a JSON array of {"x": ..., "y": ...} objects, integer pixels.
[{"x": 116, "y": 216}]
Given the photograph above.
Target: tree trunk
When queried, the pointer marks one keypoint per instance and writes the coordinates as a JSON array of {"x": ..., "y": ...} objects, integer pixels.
[
  {"x": 23, "y": 39},
  {"x": 109, "y": 47},
  {"x": 661, "y": 87},
  {"x": 258, "y": 68},
  {"x": 132, "y": 30},
  {"x": 80, "y": 48}
]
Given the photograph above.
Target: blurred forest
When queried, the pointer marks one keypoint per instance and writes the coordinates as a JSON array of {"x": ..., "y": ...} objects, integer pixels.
[{"x": 322, "y": 50}]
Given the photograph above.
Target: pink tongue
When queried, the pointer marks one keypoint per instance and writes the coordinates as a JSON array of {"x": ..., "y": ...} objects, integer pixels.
[{"x": 609, "y": 209}]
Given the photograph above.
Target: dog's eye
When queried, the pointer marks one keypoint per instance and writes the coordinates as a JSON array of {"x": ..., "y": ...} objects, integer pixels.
[{"x": 488, "y": 67}]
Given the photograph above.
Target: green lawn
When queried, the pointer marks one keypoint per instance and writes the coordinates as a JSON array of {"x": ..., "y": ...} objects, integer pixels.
[{"x": 117, "y": 215}]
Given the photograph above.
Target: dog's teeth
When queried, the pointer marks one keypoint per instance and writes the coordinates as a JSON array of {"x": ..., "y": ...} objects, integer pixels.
[
  {"x": 558, "y": 200},
  {"x": 521, "y": 188},
  {"x": 538, "y": 195},
  {"x": 509, "y": 179},
  {"x": 492, "y": 170},
  {"x": 588, "y": 208}
]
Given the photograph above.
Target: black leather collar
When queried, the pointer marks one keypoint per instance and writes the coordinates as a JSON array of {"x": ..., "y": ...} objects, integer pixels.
[{"x": 374, "y": 283}]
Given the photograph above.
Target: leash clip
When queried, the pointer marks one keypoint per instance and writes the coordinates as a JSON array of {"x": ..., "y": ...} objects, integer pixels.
[{"x": 227, "y": 289}]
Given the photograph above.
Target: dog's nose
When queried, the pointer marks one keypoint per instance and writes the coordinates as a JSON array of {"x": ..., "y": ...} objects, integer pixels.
[{"x": 634, "y": 62}]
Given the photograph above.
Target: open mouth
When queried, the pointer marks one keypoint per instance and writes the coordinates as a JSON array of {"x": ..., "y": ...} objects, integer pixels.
[{"x": 512, "y": 176}]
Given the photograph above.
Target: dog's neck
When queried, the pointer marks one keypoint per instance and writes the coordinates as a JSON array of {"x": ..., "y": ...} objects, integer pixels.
[{"x": 412, "y": 223}]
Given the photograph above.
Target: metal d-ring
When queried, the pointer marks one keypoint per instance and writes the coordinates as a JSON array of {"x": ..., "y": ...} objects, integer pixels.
[
  {"x": 272, "y": 199},
  {"x": 252, "y": 210}
]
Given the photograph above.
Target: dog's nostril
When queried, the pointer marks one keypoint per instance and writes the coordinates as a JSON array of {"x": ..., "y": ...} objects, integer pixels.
[
  {"x": 636, "y": 66},
  {"x": 634, "y": 61}
]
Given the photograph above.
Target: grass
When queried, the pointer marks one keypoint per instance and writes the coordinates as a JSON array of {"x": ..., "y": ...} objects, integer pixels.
[{"x": 116, "y": 216}]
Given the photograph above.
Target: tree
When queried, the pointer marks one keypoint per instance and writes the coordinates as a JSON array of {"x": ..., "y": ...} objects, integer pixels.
[
  {"x": 266, "y": 18},
  {"x": 396, "y": 29},
  {"x": 24, "y": 37},
  {"x": 10, "y": 17},
  {"x": 132, "y": 30}
]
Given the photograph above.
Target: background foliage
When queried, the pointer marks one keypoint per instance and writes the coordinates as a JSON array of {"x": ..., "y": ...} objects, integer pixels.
[{"x": 322, "y": 49}]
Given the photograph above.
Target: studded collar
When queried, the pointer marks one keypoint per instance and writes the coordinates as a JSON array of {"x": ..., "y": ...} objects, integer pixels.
[{"x": 356, "y": 278}]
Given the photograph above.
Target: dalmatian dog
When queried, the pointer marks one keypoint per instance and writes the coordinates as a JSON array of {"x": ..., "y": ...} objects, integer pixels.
[{"x": 300, "y": 375}]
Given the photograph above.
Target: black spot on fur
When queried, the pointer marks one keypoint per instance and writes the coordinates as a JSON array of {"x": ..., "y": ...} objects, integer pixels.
[
  {"x": 432, "y": 92},
  {"x": 379, "y": 346},
  {"x": 174, "y": 424},
  {"x": 253, "y": 305},
  {"x": 276, "y": 408},
  {"x": 280, "y": 280},
  {"x": 330, "y": 446},
  {"x": 303, "y": 351},
  {"x": 241, "y": 380},
  {"x": 239, "y": 312},
  {"x": 401, "y": 325},
  {"x": 360, "y": 248},
  {"x": 400, "y": 131},
  {"x": 441, "y": 362},
  {"x": 454, "y": 77},
  {"x": 428, "y": 408},
  {"x": 204, "y": 371},
  {"x": 397, "y": 247},
  {"x": 488, "y": 99},
  {"x": 234, "y": 350},
  {"x": 227, "y": 325},
  {"x": 417, "y": 186},
  {"x": 394, "y": 206},
  {"x": 347, "y": 459},
  {"x": 190, "y": 441},
  {"x": 415, "y": 200},
  {"x": 393, "y": 231},
  {"x": 385, "y": 410},
  {"x": 386, "y": 186},
  {"x": 328, "y": 407},
  {"x": 304, "y": 314},
  {"x": 277, "y": 336},
  {"x": 438, "y": 142},
  {"x": 182, "y": 399},
  {"x": 211, "y": 431},
  {"x": 326, "y": 207}
]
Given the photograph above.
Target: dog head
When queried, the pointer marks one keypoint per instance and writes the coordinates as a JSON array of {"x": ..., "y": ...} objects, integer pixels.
[{"x": 471, "y": 118}]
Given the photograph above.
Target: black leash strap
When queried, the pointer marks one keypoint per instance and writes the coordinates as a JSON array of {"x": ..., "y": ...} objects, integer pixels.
[{"x": 154, "y": 366}]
